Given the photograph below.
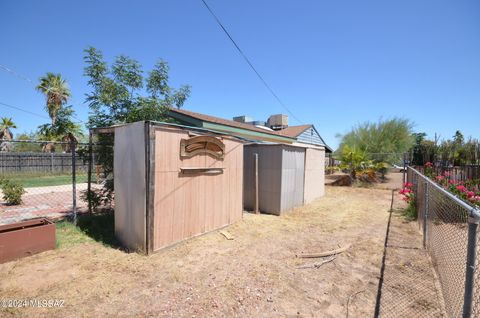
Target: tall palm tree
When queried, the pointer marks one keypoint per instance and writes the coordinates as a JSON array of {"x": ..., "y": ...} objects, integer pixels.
[
  {"x": 5, "y": 126},
  {"x": 56, "y": 92}
]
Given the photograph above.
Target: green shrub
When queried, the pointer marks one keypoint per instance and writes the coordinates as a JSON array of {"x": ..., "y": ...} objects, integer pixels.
[
  {"x": 12, "y": 192},
  {"x": 99, "y": 197},
  {"x": 410, "y": 212}
]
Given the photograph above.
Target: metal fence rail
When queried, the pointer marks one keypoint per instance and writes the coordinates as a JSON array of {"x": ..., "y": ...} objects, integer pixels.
[{"x": 449, "y": 227}]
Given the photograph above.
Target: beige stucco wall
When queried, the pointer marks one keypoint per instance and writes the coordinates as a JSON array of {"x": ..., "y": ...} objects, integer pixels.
[{"x": 314, "y": 174}]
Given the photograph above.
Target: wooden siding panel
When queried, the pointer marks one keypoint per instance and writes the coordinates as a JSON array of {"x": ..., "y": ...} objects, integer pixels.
[
  {"x": 187, "y": 205},
  {"x": 164, "y": 201}
]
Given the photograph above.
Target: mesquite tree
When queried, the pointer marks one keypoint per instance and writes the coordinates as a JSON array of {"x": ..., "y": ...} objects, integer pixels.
[{"x": 121, "y": 94}]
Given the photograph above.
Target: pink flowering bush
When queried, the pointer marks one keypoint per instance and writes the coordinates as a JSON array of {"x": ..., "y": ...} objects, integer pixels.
[
  {"x": 468, "y": 190},
  {"x": 428, "y": 169},
  {"x": 409, "y": 196},
  {"x": 407, "y": 192}
]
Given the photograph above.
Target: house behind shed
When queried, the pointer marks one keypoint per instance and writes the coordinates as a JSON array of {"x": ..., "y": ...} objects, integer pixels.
[{"x": 174, "y": 182}]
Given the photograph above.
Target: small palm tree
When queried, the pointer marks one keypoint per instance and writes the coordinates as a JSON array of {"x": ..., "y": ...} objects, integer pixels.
[
  {"x": 56, "y": 92},
  {"x": 5, "y": 126}
]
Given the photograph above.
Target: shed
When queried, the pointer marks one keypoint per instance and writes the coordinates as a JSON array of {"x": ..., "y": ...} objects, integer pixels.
[
  {"x": 174, "y": 182},
  {"x": 281, "y": 170},
  {"x": 288, "y": 176}
]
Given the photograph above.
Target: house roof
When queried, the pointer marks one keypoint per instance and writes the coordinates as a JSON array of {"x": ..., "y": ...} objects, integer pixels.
[
  {"x": 291, "y": 132},
  {"x": 226, "y": 122},
  {"x": 294, "y": 131}
]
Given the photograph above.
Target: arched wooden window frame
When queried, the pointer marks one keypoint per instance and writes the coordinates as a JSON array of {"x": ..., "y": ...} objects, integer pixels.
[{"x": 202, "y": 145}]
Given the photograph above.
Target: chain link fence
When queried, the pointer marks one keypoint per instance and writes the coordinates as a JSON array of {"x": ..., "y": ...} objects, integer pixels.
[
  {"x": 449, "y": 226},
  {"x": 50, "y": 178},
  {"x": 408, "y": 285}
]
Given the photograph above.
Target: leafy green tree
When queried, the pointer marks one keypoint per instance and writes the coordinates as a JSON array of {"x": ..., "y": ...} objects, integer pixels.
[
  {"x": 424, "y": 150},
  {"x": 63, "y": 126},
  {"x": 455, "y": 151},
  {"x": 121, "y": 94},
  {"x": 56, "y": 92},
  {"x": 117, "y": 92},
  {"x": 458, "y": 152},
  {"x": 6, "y": 127},
  {"x": 26, "y": 146},
  {"x": 383, "y": 141},
  {"x": 352, "y": 159}
]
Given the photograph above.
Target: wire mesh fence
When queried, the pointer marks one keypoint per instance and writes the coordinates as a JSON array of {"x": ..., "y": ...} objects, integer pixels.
[
  {"x": 46, "y": 179},
  {"x": 407, "y": 286},
  {"x": 449, "y": 228}
]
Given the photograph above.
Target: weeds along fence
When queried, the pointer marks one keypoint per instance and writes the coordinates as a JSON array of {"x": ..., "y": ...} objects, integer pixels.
[
  {"x": 51, "y": 178},
  {"x": 450, "y": 235}
]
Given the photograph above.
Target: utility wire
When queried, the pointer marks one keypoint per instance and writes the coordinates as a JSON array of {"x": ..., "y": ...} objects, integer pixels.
[
  {"x": 9, "y": 70},
  {"x": 23, "y": 110},
  {"x": 250, "y": 63},
  {"x": 12, "y": 72}
]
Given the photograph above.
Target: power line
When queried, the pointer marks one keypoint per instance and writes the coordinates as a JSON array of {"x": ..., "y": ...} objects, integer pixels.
[
  {"x": 250, "y": 63},
  {"x": 23, "y": 110},
  {"x": 9, "y": 70},
  {"x": 14, "y": 73}
]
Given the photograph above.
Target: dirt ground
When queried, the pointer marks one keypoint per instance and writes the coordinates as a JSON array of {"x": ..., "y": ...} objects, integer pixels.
[{"x": 255, "y": 275}]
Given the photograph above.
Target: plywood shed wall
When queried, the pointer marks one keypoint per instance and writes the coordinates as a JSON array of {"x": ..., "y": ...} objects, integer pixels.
[
  {"x": 281, "y": 170},
  {"x": 184, "y": 194},
  {"x": 314, "y": 174},
  {"x": 130, "y": 185}
]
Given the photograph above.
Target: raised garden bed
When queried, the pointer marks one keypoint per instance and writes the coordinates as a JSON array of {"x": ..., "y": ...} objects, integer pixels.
[{"x": 26, "y": 238}]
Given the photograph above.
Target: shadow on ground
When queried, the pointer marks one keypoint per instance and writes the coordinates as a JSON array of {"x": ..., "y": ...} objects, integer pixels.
[{"x": 100, "y": 227}]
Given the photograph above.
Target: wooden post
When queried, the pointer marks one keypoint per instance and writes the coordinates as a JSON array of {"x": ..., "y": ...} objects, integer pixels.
[{"x": 255, "y": 171}]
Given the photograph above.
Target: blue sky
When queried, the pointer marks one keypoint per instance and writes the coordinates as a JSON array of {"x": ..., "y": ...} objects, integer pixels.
[{"x": 334, "y": 63}]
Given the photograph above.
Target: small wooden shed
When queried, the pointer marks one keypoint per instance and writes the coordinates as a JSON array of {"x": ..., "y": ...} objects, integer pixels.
[
  {"x": 288, "y": 176},
  {"x": 174, "y": 182}
]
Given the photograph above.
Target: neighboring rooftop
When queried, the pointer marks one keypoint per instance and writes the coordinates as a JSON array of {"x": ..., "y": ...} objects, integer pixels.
[
  {"x": 246, "y": 127},
  {"x": 222, "y": 121},
  {"x": 294, "y": 131}
]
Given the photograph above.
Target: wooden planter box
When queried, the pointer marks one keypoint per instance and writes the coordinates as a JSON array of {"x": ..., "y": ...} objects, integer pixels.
[{"x": 26, "y": 238}]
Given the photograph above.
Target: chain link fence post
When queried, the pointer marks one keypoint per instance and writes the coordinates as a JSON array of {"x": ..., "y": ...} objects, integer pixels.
[
  {"x": 470, "y": 266},
  {"x": 74, "y": 181},
  {"x": 89, "y": 173},
  {"x": 425, "y": 216}
]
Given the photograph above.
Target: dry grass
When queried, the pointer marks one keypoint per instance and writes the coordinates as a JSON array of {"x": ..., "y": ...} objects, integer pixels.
[{"x": 253, "y": 275}]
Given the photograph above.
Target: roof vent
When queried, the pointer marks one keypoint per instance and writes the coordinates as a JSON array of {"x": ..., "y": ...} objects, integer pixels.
[{"x": 243, "y": 119}]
